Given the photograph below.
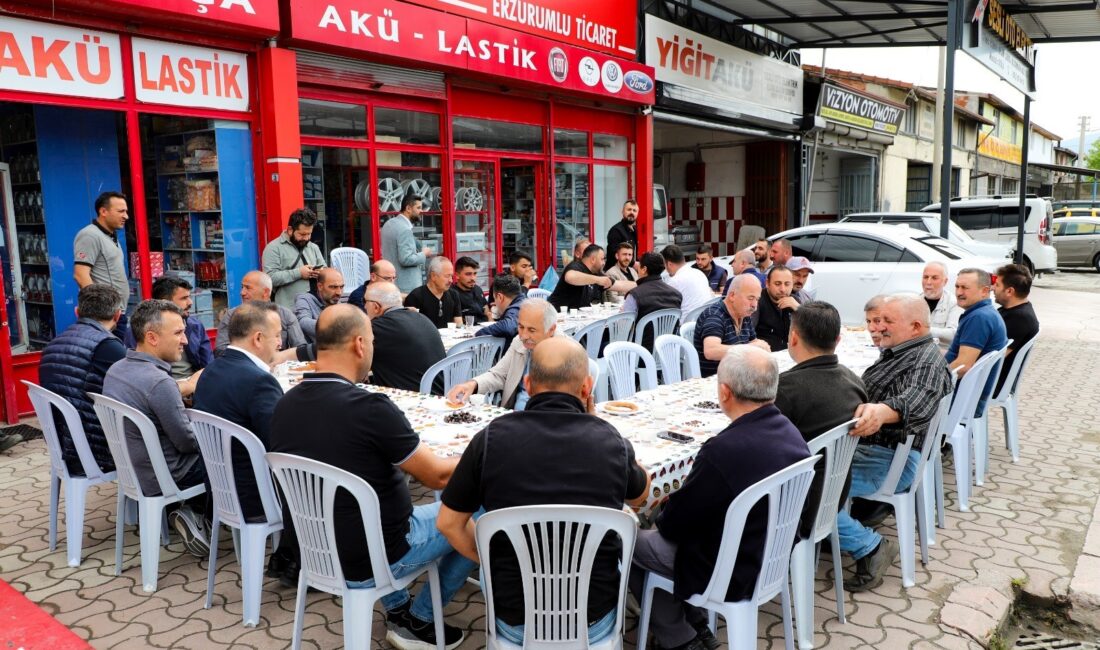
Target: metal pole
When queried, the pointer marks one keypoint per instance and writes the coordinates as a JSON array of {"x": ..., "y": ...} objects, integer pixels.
[
  {"x": 953, "y": 12},
  {"x": 1023, "y": 182},
  {"x": 937, "y": 134}
]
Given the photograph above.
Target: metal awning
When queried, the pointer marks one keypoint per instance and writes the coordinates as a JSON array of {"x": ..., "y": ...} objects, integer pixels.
[{"x": 1067, "y": 169}]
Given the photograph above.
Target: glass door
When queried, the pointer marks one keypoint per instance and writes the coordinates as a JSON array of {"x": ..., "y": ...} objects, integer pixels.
[
  {"x": 519, "y": 210},
  {"x": 475, "y": 214}
]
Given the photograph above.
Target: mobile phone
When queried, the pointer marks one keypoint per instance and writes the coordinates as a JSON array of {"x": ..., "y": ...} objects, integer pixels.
[
  {"x": 317, "y": 266},
  {"x": 681, "y": 438}
]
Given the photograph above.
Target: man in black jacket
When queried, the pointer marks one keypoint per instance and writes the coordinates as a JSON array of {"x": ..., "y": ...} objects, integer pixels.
[
  {"x": 651, "y": 294},
  {"x": 406, "y": 343},
  {"x": 625, "y": 230},
  {"x": 772, "y": 318}
]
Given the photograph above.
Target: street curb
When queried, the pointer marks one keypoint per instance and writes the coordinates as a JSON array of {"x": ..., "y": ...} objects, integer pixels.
[
  {"x": 981, "y": 608},
  {"x": 1084, "y": 587}
]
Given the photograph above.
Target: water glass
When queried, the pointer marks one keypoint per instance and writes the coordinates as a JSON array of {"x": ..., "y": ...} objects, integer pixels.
[{"x": 469, "y": 320}]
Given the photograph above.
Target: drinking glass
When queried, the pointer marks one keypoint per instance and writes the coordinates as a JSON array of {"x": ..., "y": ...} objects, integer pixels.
[{"x": 469, "y": 320}]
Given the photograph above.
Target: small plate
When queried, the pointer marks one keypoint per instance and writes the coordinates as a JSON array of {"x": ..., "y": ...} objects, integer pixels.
[
  {"x": 603, "y": 407},
  {"x": 445, "y": 433},
  {"x": 440, "y": 405}
]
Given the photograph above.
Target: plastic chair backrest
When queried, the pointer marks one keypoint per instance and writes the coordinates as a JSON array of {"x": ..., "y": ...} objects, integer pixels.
[
  {"x": 687, "y": 331},
  {"x": 216, "y": 436},
  {"x": 692, "y": 315},
  {"x": 487, "y": 350},
  {"x": 678, "y": 357},
  {"x": 591, "y": 337},
  {"x": 785, "y": 492},
  {"x": 970, "y": 386},
  {"x": 618, "y": 327},
  {"x": 538, "y": 293},
  {"x": 938, "y": 428},
  {"x": 44, "y": 402},
  {"x": 353, "y": 264},
  {"x": 555, "y": 576},
  {"x": 112, "y": 417},
  {"x": 309, "y": 487},
  {"x": 622, "y": 359},
  {"x": 662, "y": 321},
  {"x": 838, "y": 448},
  {"x": 455, "y": 368},
  {"x": 1019, "y": 363},
  {"x": 549, "y": 279}
]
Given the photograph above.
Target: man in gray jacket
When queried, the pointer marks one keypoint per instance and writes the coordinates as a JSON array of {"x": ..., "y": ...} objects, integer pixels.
[
  {"x": 399, "y": 245},
  {"x": 292, "y": 260},
  {"x": 308, "y": 306}
]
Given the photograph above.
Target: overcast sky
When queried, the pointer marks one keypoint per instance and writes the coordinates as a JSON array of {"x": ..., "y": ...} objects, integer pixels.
[{"x": 1066, "y": 88}]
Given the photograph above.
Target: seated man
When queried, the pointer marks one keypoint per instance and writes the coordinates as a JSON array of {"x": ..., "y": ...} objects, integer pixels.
[
  {"x": 256, "y": 285},
  {"x": 435, "y": 299},
  {"x": 623, "y": 268},
  {"x": 366, "y": 434},
  {"x": 683, "y": 545},
  {"x": 688, "y": 280},
  {"x": 981, "y": 329},
  {"x": 538, "y": 321},
  {"x": 945, "y": 313},
  {"x": 1011, "y": 290},
  {"x": 872, "y": 315},
  {"x": 471, "y": 299},
  {"x": 904, "y": 388},
  {"x": 578, "y": 458},
  {"x": 583, "y": 281},
  {"x": 197, "y": 353},
  {"x": 744, "y": 262},
  {"x": 522, "y": 268},
  {"x": 380, "y": 271},
  {"x": 772, "y": 318},
  {"x": 406, "y": 343},
  {"x": 727, "y": 323},
  {"x": 73, "y": 364},
  {"x": 508, "y": 296},
  {"x": 716, "y": 275},
  {"x": 143, "y": 380},
  {"x": 308, "y": 305},
  {"x": 651, "y": 294},
  {"x": 801, "y": 268}
]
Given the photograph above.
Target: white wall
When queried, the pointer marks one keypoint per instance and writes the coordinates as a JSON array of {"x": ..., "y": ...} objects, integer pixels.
[{"x": 823, "y": 194}]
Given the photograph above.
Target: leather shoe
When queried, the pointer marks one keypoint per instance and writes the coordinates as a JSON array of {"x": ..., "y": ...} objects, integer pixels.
[{"x": 871, "y": 568}]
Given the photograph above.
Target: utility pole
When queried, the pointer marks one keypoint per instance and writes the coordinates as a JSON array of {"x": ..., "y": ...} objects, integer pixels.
[{"x": 1085, "y": 122}]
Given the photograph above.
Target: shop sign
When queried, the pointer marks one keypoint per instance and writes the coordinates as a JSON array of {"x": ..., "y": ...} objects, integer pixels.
[
  {"x": 258, "y": 15},
  {"x": 846, "y": 106},
  {"x": 183, "y": 75},
  {"x": 742, "y": 80},
  {"x": 995, "y": 147},
  {"x": 399, "y": 29},
  {"x": 606, "y": 25},
  {"x": 998, "y": 42},
  {"x": 57, "y": 60}
]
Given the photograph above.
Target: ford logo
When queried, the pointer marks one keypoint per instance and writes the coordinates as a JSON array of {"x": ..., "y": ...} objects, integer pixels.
[{"x": 638, "y": 82}]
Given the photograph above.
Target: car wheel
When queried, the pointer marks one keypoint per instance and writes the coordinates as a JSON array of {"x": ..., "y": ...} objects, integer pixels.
[
  {"x": 1029, "y": 265},
  {"x": 1096, "y": 262}
]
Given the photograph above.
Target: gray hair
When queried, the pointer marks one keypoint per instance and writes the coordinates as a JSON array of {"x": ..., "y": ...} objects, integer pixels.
[
  {"x": 385, "y": 294},
  {"x": 746, "y": 256},
  {"x": 941, "y": 265},
  {"x": 875, "y": 303},
  {"x": 264, "y": 278},
  {"x": 567, "y": 369},
  {"x": 149, "y": 315},
  {"x": 549, "y": 313},
  {"x": 913, "y": 307},
  {"x": 737, "y": 284},
  {"x": 750, "y": 373},
  {"x": 436, "y": 264},
  {"x": 984, "y": 279}
]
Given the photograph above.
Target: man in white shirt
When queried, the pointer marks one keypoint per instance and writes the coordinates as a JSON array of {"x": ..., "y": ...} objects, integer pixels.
[
  {"x": 945, "y": 313},
  {"x": 692, "y": 283}
]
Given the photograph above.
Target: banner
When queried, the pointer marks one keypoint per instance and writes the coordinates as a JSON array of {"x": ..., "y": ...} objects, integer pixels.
[
  {"x": 846, "y": 106},
  {"x": 995, "y": 147},
  {"x": 57, "y": 60},
  {"x": 182, "y": 75},
  {"x": 260, "y": 16}
]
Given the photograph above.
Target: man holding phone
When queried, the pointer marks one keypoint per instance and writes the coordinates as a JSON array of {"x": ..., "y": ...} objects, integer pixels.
[{"x": 292, "y": 260}]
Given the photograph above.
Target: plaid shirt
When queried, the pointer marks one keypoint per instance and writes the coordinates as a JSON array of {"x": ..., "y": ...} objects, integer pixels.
[{"x": 911, "y": 378}]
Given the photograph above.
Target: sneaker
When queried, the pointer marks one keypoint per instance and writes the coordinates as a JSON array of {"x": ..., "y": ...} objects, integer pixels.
[
  {"x": 705, "y": 637},
  {"x": 9, "y": 441},
  {"x": 406, "y": 632},
  {"x": 190, "y": 527},
  {"x": 871, "y": 569}
]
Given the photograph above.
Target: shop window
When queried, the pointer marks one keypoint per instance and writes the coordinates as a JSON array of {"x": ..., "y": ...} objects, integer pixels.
[
  {"x": 609, "y": 147},
  {"x": 475, "y": 217},
  {"x": 407, "y": 127},
  {"x": 909, "y": 125},
  {"x": 332, "y": 119},
  {"x": 610, "y": 192},
  {"x": 472, "y": 133},
  {"x": 337, "y": 188},
  {"x": 570, "y": 143},
  {"x": 571, "y": 204},
  {"x": 519, "y": 206},
  {"x": 401, "y": 173}
]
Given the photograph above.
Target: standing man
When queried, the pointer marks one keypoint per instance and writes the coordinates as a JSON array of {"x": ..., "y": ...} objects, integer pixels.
[
  {"x": 292, "y": 260},
  {"x": 624, "y": 231},
  {"x": 1011, "y": 290},
  {"x": 688, "y": 280},
  {"x": 772, "y": 319},
  {"x": 981, "y": 329},
  {"x": 945, "y": 313},
  {"x": 308, "y": 305},
  {"x": 97, "y": 255},
  {"x": 380, "y": 271},
  {"x": 727, "y": 324},
  {"x": 716, "y": 275},
  {"x": 471, "y": 299},
  {"x": 399, "y": 245},
  {"x": 198, "y": 353},
  {"x": 436, "y": 299},
  {"x": 780, "y": 252},
  {"x": 760, "y": 250}
]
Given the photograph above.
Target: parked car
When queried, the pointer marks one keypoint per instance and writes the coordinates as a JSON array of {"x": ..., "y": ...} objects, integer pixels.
[
  {"x": 995, "y": 219},
  {"x": 1078, "y": 241},
  {"x": 930, "y": 223},
  {"x": 855, "y": 262},
  {"x": 1077, "y": 211}
]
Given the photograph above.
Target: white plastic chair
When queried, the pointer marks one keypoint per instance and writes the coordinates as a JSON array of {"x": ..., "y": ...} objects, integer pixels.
[
  {"x": 839, "y": 447},
  {"x": 785, "y": 492},
  {"x": 76, "y": 487},
  {"x": 911, "y": 505},
  {"x": 353, "y": 264},
  {"x": 555, "y": 577},
  {"x": 455, "y": 369},
  {"x": 1006, "y": 399},
  {"x": 591, "y": 337},
  {"x": 661, "y": 322},
  {"x": 677, "y": 357},
  {"x": 692, "y": 315},
  {"x": 594, "y": 372},
  {"x": 309, "y": 487},
  {"x": 980, "y": 435},
  {"x": 216, "y": 436},
  {"x": 487, "y": 350},
  {"x": 623, "y": 361},
  {"x": 112, "y": 416},
  {"x": 538, "y": 293},
  {"x": 619, "y": 326},
  {"x": 687, "y": 331}
]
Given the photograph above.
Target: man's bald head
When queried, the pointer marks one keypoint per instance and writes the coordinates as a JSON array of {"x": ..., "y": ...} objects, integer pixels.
[
  {"x": 383, "y": 270},
  {"x": 559, "y": 364},
  {"x": 339, "y": 325}
]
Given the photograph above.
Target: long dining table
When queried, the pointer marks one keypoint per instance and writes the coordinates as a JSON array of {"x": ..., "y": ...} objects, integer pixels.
[{"x": 568, "y": 322}]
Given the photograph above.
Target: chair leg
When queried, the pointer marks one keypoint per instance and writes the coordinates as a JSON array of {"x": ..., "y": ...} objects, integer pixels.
[
  {"x": 151, "y": 513},
  {"x": 253, "y": 541},
  {"x": 927, "y": 505},
  {"x": 785, "y": 604},
  {"x": 120, "y": 515},
  {"x": 76, "y": 493},
  {"x": 55, "y": 497},
  {"x": 802, "y": 591},
  {"x": 981, "y": 447},
  {"x": 960, "y": 449},
  {"x": 212, "y": 561},
  {"x": 164, "y": 541},
  {"x": 436, "y": 592},
  {"x": 300, "y": 613},
  {"x": 647, "y": 607},
  {"x": 937, "y": 468},
  {"x": 741, "y": 625},
  {"x": 924, "y": 521},
  {"x": 905, "y": 518},
  {"x": 358, "y": 618},
  {"x": 1012, "y": 428},
  {"x": 838, "y": 574}
]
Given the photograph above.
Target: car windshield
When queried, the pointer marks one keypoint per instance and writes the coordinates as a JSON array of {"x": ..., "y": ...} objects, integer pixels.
[{"x": 942, "y": 246}]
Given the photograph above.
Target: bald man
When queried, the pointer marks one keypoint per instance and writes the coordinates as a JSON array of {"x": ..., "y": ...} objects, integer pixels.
[
  {"x": 308, "y": 306},
  {"x": 366, "y": 434},
  {"x": 380, "y": 271},
  {"x": 554, "y": 452},
  {"x": 256, "y": 285}
]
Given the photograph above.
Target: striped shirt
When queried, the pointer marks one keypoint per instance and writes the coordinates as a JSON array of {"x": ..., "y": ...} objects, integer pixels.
[
  {"x": 911, "y": 378},
  {"x": 716, "y": 321}
]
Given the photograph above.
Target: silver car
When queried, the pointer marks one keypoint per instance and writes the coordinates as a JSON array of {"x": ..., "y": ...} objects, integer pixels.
[{"x": 1077, "y": 240}]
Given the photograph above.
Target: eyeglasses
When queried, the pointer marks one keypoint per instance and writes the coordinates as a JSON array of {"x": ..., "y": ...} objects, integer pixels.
[{"x": 387, "y": 278}]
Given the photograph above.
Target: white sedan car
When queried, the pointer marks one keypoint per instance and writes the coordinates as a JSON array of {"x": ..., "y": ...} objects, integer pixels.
[{"x": 855, "y": 262}]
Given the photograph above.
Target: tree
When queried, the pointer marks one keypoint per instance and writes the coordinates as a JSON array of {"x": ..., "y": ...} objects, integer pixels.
[{"x": 1092, "y": 158}]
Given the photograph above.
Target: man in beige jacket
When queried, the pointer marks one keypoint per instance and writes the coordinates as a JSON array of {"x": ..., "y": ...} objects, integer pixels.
[{"x": 538, "y": 321}]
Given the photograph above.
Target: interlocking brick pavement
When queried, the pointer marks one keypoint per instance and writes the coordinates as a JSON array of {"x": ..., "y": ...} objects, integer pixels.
[{"x": 1028, "y": 523}]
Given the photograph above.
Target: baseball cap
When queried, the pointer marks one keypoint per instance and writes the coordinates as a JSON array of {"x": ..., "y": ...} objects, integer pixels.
[{"x": 798, "y": 263}]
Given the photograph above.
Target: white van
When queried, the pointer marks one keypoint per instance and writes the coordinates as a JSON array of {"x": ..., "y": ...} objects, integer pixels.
[{"x": 995, "y": 219}]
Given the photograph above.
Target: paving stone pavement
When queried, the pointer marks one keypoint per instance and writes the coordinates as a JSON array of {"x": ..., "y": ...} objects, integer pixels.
[{"x": 1027, "y": 524}]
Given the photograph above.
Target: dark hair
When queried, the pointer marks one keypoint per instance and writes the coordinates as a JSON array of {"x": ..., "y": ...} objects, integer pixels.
[
  {"x": 466, "y": 262},
  {"x": 249, "y": 317},
  {"x": 1016, "y": 277},
  {"x": 409, "y": 199},
  {"x": 818, "y": 325},
  {"x": 591, "y": 250},
  {"x": 653, "y": 263},
  {"x": 301, "y": 217},
  {"x": 149, "y": 314},
  {"x": 785, "y": 244},
  {"x": 984, "y": 280},
  {"x": 629, "y": 202},
  {"x": 165, "y": 287},
  {"x": 104, "y": 200},
  {"x": 336, "y": 332},
  {"x": 777, "y": 267},
  {"x": 624, "y": 245},
  {"x": 518, "y": 256},
  {"x": 508, "y": 285},
  {"x": 98, "y": 302},
  {"x": 705, "y": 249},
  {"x": 672, "y": 253}
]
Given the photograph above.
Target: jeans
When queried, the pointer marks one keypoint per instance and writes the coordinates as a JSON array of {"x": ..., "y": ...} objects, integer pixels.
[
  {"x": 597, "y": 631},
  {"x": 426, "y": 544},
  {"x": 869, "y": 468}
]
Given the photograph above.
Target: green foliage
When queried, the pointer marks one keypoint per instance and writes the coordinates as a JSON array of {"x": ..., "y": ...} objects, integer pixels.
[{"x": 1092, "y": 158}]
